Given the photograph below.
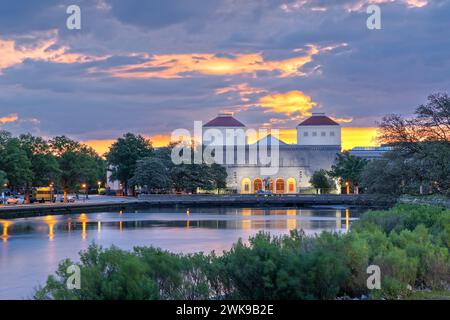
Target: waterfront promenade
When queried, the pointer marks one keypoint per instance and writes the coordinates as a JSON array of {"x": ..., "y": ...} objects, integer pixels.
[{"x": 106, "y": 203}]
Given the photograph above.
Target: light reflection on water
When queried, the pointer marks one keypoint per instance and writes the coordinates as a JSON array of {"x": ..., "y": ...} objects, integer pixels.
[{"x": 31, "y": 248}]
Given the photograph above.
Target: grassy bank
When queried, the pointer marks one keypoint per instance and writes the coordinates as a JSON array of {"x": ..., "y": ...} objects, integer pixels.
[{"x": 410, "y": 244}]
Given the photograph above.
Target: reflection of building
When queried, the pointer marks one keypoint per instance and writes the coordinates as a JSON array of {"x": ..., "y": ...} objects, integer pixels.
[{"x": 318, "y": 142}]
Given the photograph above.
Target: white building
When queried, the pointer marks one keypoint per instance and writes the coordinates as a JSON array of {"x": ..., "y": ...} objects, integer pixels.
[{"x": 318, "y": 142}]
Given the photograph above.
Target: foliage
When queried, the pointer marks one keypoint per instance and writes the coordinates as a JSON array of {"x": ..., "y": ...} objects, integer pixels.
[
  {"x": 124, "y": 154},
  {"x": 151, "y": 174},
  {"x": 348, "y": 168},
  {"x": 15, "y": 162},
  {"x": 421, "y": 148},
  {"x": 78, "y": 163},
  {"x": 410, "y": 243},
  {"x": 320, "y": 180}
]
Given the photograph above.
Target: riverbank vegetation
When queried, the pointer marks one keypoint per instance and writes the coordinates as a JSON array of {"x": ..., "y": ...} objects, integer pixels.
[
  {"x": 410, "y": 244},
  {"x": 418, "y": 163}
]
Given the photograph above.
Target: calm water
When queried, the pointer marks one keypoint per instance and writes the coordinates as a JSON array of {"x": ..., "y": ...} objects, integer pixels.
[{"x": 31, "y": 248}]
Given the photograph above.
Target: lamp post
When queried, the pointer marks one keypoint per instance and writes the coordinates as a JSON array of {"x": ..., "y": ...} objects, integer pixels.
[
  {"x": 347, "y": 187},
  {"x": 84, "y": 185}
]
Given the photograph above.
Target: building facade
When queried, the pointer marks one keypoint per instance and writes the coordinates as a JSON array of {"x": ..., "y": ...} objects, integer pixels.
[{"x": 318, "y": 142}]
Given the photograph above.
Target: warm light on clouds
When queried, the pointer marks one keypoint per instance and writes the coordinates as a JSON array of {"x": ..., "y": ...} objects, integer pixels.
[
  {"x": 243, "y": 89},
  {"x": 9, "y": 118},
  {"x": 45, "y": 50},
  {"x": 184, "y": 65},
  {"x": 292, "y": 103},
  {"x": 342, "y": 120}
]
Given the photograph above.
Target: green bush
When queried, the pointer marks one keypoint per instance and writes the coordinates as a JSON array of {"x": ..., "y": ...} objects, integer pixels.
[{"x": 409, "y": 243}]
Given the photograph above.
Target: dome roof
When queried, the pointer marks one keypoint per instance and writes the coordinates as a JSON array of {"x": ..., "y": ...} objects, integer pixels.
[{"x": 319, "y": 119}]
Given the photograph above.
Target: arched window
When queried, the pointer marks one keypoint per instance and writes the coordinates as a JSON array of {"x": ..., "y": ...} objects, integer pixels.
[
  {"x": 245, "y": 185},
  {"x": 279, "y": 185},
  {"x": 257, "y": 185},
  {"x": 291, "y": 185}
]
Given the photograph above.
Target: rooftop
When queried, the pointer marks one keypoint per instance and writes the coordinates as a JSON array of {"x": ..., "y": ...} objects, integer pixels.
[
  {"x": 319, "y": 119},
  {"x": 224, "y": 120}
]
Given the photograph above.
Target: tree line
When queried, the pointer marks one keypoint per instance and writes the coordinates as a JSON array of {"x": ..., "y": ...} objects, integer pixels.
[
  {"x": 134, "y": 162},
  {"x": 28, "y": 161},
  {"x": 419, "y": 160}
]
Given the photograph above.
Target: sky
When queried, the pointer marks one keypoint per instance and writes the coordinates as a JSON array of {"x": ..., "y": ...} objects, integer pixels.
[{"x": 150, "y": 67}]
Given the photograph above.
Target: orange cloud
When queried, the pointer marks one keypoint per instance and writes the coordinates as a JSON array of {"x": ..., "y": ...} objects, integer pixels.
[
  {"x": 289, "y": 103},
  {"x": 11, "y": 54},
  {"x": 169, "y": 66},
  {"x": 9, "y": 118}
]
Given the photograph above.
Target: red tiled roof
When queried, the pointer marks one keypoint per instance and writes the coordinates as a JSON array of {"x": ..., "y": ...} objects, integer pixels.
[
  {"x": 224, "y": 121},
  {"x": 319, "y": 120}
]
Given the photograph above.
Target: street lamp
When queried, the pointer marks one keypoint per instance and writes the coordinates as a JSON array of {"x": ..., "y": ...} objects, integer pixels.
[{"x": 84, "y": 186}]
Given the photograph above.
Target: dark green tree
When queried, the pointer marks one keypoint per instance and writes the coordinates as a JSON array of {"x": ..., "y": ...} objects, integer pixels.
[
  {"x": 78, "y": 163},
  {"x": 348, "y": 169},
  {"x": 15, "y": 162},
  {"x": 44, "y": 163},
  {"x": 151, "y": 174},
  {"x": 123, "y": 156},
  {"x": 219, "y": 176},
  {"x": 320, "y": 180}
]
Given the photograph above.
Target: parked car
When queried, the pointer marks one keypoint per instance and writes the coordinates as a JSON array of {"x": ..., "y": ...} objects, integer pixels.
[
  {"x": 12, "y": 200},
  {"x": 60, "y": 198}
]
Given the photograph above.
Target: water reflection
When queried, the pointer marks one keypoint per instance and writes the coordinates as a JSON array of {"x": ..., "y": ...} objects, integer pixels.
[
  {"x": 5, "y": 225},
  {"x": 44, "y": 241}
]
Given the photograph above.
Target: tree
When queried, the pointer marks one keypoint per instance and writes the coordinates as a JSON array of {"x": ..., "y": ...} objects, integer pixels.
[
  {"x": 218, "y": 176},
  {"x": 383, "y": 177},
  {"x": 348, "y": 170},
  {"x": 3, "y": 179},
  {"x": 78, "y": 163},
  {"x": 15, "y": 162},
  {"x": 320, "y": 180},
  {"x": 43, "y": 162},
  {"x": 423, "y": 141},
  {"x": 123, "y": 156},
  {"x": 151, "y": 173}
]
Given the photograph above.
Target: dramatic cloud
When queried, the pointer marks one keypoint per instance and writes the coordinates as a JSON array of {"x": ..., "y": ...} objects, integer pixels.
[
  {"x": 293, "y": 103},
  {"x": 185, "y": 65},
  {"x": 150, "y": 67},
  {"x": 43, "y": 50}
]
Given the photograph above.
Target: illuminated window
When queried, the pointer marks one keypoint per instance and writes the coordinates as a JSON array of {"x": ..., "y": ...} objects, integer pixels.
[
  {"x": 291, "y": 185},
  {"x": 245, "y": 186},
  {"x": 257, "y": 185},
  {"x": 279, "y": 185}
]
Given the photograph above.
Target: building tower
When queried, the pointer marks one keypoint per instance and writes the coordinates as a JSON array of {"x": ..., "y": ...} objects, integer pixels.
[
  {"x": 319, "y": 130},
  {"x": 224, "y": 130}
]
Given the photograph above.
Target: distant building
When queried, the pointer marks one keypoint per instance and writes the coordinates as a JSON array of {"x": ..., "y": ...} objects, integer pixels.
[
  {"x": 370, "y": 153},
  {"x": 318, "y": 142}
]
